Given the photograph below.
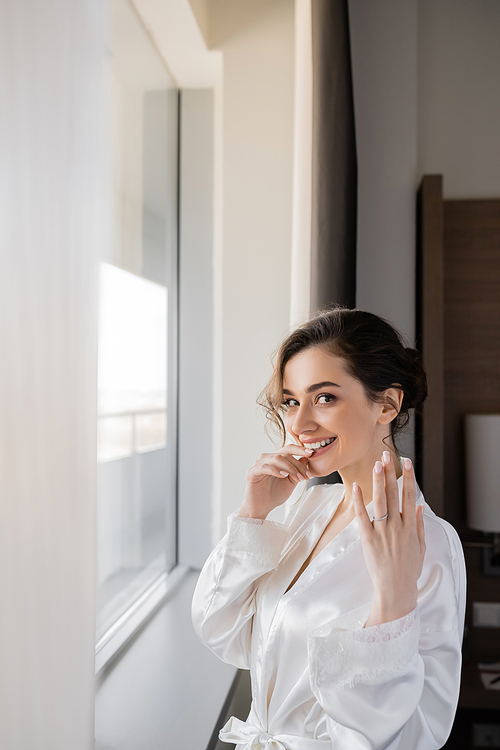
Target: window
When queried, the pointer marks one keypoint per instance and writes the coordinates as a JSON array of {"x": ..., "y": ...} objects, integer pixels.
[{"x": 137, "y": 334}]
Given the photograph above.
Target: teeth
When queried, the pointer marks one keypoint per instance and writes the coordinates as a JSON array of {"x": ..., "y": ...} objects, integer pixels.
[{"x": 320, "y": 444}]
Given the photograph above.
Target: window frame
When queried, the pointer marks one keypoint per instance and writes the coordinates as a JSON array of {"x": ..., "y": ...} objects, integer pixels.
[{"x": 116, "y": 638}]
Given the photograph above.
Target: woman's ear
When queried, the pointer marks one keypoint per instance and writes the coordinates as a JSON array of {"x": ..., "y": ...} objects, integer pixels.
[{"x": 392, "y": 404}]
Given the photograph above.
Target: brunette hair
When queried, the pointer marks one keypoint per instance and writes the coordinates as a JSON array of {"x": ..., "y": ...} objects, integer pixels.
[{"x": 374, "y": 353}]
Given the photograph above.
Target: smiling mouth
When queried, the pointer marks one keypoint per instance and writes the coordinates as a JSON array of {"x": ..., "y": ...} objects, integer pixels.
[{"x": 320, "y": 444}]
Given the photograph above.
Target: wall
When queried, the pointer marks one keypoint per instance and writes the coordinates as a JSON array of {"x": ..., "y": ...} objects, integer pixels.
[
  {"x": 427, "y": 100},
  {"x": 384, "y": 60},
  {"x": 201, "y": 11},
  {"x": 459, "y": 95},
  {"x": 195, "y": 470},
  {"x": 257, "y": 41}
]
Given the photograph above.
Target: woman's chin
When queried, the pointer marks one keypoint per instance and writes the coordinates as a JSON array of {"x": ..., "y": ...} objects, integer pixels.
[{"x": 323, "y": 461}]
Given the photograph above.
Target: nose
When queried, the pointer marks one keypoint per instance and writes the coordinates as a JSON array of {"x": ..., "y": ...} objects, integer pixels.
[{"x": 303, "y": 420}]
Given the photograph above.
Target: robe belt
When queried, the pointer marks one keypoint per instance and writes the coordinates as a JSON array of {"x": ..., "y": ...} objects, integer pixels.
[{"x": 256, "y": 738}]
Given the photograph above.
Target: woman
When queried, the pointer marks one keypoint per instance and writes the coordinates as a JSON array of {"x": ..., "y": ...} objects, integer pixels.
[{"x": 349, "y": 614}]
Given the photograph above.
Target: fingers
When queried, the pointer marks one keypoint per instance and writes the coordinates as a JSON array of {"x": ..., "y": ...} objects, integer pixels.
[
  {"x": 379, "y": 498},
  {"x": 391, "y": 486},
  {"x": 295, "y": 479},
  {"x": 365, "y": 525},
  {"x": 272, "y": 469},
  {"x": 409, "y": 494},
  {"x": 296, "y": 466},
  {"x": 302, "y": 465},
  {"x": 286, "y": 471},
  {"x": 296, "y": 450},
  {"x": 290, "y": 452},
  {"x": 420, "y": 526},
  {"x": 290, "y": 449},
  {"x": 386, "y": 492},
  {"x": 280, "y": 466}
]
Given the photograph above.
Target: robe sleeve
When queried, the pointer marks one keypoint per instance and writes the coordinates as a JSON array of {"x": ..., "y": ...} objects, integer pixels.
[
  {"x": 395, "y": 685},
  {"x": 223, "y": 603}
]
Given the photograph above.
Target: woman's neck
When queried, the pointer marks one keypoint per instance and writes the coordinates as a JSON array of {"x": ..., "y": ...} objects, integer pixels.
[{"x": 362, "y": 473}]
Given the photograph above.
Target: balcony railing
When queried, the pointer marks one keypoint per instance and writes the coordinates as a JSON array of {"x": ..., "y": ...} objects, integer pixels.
[{"x": 121, "y": 434}]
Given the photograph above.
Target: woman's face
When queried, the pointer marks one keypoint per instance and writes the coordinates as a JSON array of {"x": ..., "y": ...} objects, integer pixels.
[{"x": 323, "y": 402}]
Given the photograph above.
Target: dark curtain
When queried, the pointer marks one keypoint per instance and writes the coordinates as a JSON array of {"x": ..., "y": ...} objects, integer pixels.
[{"x": 334, "y": 163}]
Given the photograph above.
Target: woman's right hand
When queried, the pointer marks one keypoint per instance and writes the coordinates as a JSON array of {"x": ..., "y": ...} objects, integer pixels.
[{"x": 272, "y": 479}]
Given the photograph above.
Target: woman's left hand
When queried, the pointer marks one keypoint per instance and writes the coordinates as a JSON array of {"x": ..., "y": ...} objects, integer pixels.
[{"x": 394, "y": 549}]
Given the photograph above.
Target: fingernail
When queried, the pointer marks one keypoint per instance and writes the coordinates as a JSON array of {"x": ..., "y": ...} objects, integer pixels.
[
  {"x": 378, "y": 467},
  {"x": 355, "y": 488},
  {"x": 407, "y": 463},
  {"x": 284, "y": 473},
  {"x": 309, "y": 474},
  {"x": 387, "y": 457},
  {"x": 308, "y": 450}
]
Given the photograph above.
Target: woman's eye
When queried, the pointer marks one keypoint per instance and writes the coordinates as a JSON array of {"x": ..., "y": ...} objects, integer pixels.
[
  {"x": 287, "y": 402},
  {"x": 328, "y": 396}
]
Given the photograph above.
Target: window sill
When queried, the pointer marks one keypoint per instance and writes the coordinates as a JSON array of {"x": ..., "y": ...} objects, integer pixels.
[
  {"x": 116, "y": 639},
  {"x": 166, "y": 689}
]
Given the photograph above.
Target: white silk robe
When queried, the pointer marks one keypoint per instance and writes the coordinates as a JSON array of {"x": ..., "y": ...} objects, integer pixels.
[{"x": 319, "y": 679}]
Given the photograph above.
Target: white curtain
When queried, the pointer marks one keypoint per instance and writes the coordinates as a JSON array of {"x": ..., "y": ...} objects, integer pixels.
[{"x": 51, "y": 218}]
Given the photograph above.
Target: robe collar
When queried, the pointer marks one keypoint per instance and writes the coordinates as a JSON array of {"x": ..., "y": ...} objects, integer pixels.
[{"x": 317, "y": 510}]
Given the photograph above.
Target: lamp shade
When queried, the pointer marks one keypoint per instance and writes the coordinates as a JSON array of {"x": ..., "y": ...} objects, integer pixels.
[{"x": 482, "y": 458}]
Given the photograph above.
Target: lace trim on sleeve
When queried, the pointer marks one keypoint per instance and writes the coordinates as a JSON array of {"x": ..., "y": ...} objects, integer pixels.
[
  {"x": 343, "y": 653},
  {"x": 258, "y": 538},
  {"x": 387, "y": 630}
]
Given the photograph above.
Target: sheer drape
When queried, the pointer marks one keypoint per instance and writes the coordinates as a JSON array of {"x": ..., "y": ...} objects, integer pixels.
[{"x": 51, "y": 213}]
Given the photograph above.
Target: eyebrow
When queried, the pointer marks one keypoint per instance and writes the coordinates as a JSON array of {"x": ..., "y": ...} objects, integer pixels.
[{"x": 313, "y": 388}]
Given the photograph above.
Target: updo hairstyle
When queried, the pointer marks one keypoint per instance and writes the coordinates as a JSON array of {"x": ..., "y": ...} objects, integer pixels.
[{"x": 373, "y": 351}]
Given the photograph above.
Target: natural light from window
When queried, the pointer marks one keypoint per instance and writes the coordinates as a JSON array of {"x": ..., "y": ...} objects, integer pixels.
[{"x": 132, "y": 364}]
